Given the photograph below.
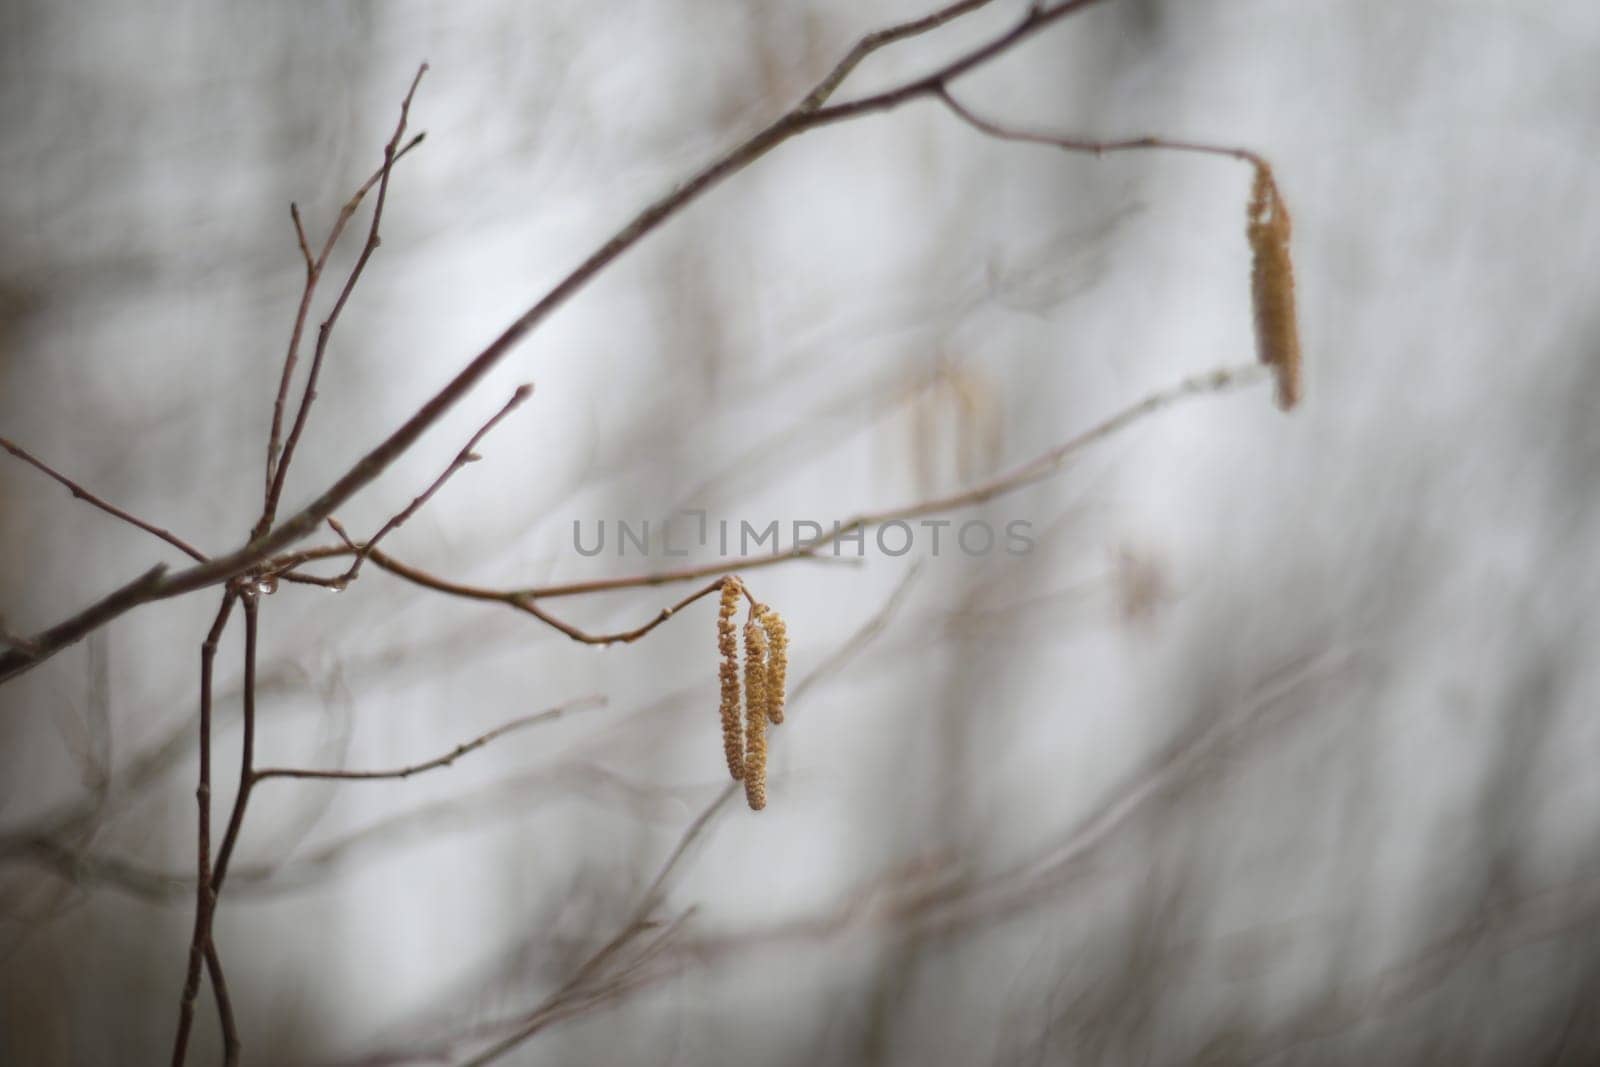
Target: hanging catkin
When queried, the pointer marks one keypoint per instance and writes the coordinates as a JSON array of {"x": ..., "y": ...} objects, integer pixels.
[
  {"x": 728, "y": 675},
  {"x": 1272, "y": 286}
]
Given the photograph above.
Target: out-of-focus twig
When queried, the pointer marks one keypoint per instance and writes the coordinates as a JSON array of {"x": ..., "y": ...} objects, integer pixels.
[{"x": 438, "y": 761}]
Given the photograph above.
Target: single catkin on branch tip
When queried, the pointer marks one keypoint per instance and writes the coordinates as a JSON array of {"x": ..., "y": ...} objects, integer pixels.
[{"x": 1272, "y": 285}]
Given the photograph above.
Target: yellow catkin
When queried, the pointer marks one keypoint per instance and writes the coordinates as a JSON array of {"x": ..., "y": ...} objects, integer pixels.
[
  {"x": 728, "y": 675},
  {"x": 755, "y": 719},
  {"x": 1272, "y": 286},
  {"x": 777, "y": 661}
]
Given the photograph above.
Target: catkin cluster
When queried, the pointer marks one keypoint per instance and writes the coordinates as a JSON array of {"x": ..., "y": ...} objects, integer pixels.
[
  {"x": 766, "y": 666},
  {"x": 1272, "y": 285}
]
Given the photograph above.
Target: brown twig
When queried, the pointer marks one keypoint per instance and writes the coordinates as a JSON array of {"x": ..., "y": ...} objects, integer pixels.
[
  {"x": 285, "y": 567},
  {"x": 232, "y": 1047},
  {"x": 527, "y": 604},
  {"x": 314, "y": 268},
  {"x": 806, "y": 116},
  {"x": 205, "y": 899},
  {"x": 872, "y": 42},
  {"x": 247, "y": 746},
  {"x": 104, "y": 505},
  {"x": 210, "y": 882},
  {"x": 464, "y": 457},
  {"x": 278, "y": 468},
  {"x": 439, "y": 761},
  {"x": 1077, "y": 144}
]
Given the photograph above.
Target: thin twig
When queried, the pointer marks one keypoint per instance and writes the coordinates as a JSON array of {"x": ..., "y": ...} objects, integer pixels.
[
  {"x": 439, "y": 761},
  {"x": 325, "y": 331},
  {"x": 285, "y": 567},
  {"x": 204, "y": 897},
  {"x": 464, "y": 457},
  {"x": 314, "y": 267},
  {"x": 231, "y": 1045},
  {"x": 1079, "y": 144},
  {"x": 524, "y": 603},
  {"x": 872, "y": 42},
  {"x": 1037, "y": 17},
  {"x": 311, "y": 271},
  {"x": 104, "y": 505},
  {"x": 247, "y": 746},
  {"x": 268, "y": 543}
]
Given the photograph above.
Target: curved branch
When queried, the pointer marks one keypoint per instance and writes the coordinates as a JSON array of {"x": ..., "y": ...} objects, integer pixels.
[{"x": 438, "y": 761}]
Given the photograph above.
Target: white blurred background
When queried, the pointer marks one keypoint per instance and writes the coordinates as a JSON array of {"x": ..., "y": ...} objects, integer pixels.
[{"x": 1278, "y": 748}]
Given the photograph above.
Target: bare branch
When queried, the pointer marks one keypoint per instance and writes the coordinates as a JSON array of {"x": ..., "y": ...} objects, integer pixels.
[
  {"x": 205, "y": 899},
  {"x": 314, "y": 267},
  {"x": 269, "y": 542},
  {"x": 109, "y": 508},
  {"x": 464, "y": 457},
  {"x": 247, "y": 745},
  {"x": 439, "y": 761},
  {"x": 1038, "y": 17},
  {"x": 325, "y": 332},
  {"x": 872, "y": 42},
  {"x": 1078, "y": 144},
  {"x": 311, "y": 269},
  {"x": 525, "y": 603}
]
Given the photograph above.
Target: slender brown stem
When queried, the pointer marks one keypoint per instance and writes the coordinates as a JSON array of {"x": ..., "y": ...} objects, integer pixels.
[
  {"x": 803, "y": 117},
  {"x": 205, "y": 898},
  {"x": 325, "y": 331},
  {"x": 232, "y": 1047},
  {"x": 311, "y": 269},
  {"x": 104, "y": 505},
  {"x": 683, "y": 574},
  {"x": 872, "y": 42},
  {"x": 247, "y": 746},
  {"x": 1038, "y": 17},
  {"x": 284, "y": 567},
  {"x": 314, "y": 267},
  {"x": 524, "y": 603},
  {"x": 1079, "y": 144},
  {"x": 439, "y": 761},
  {"x": 464, "y": 457}
]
